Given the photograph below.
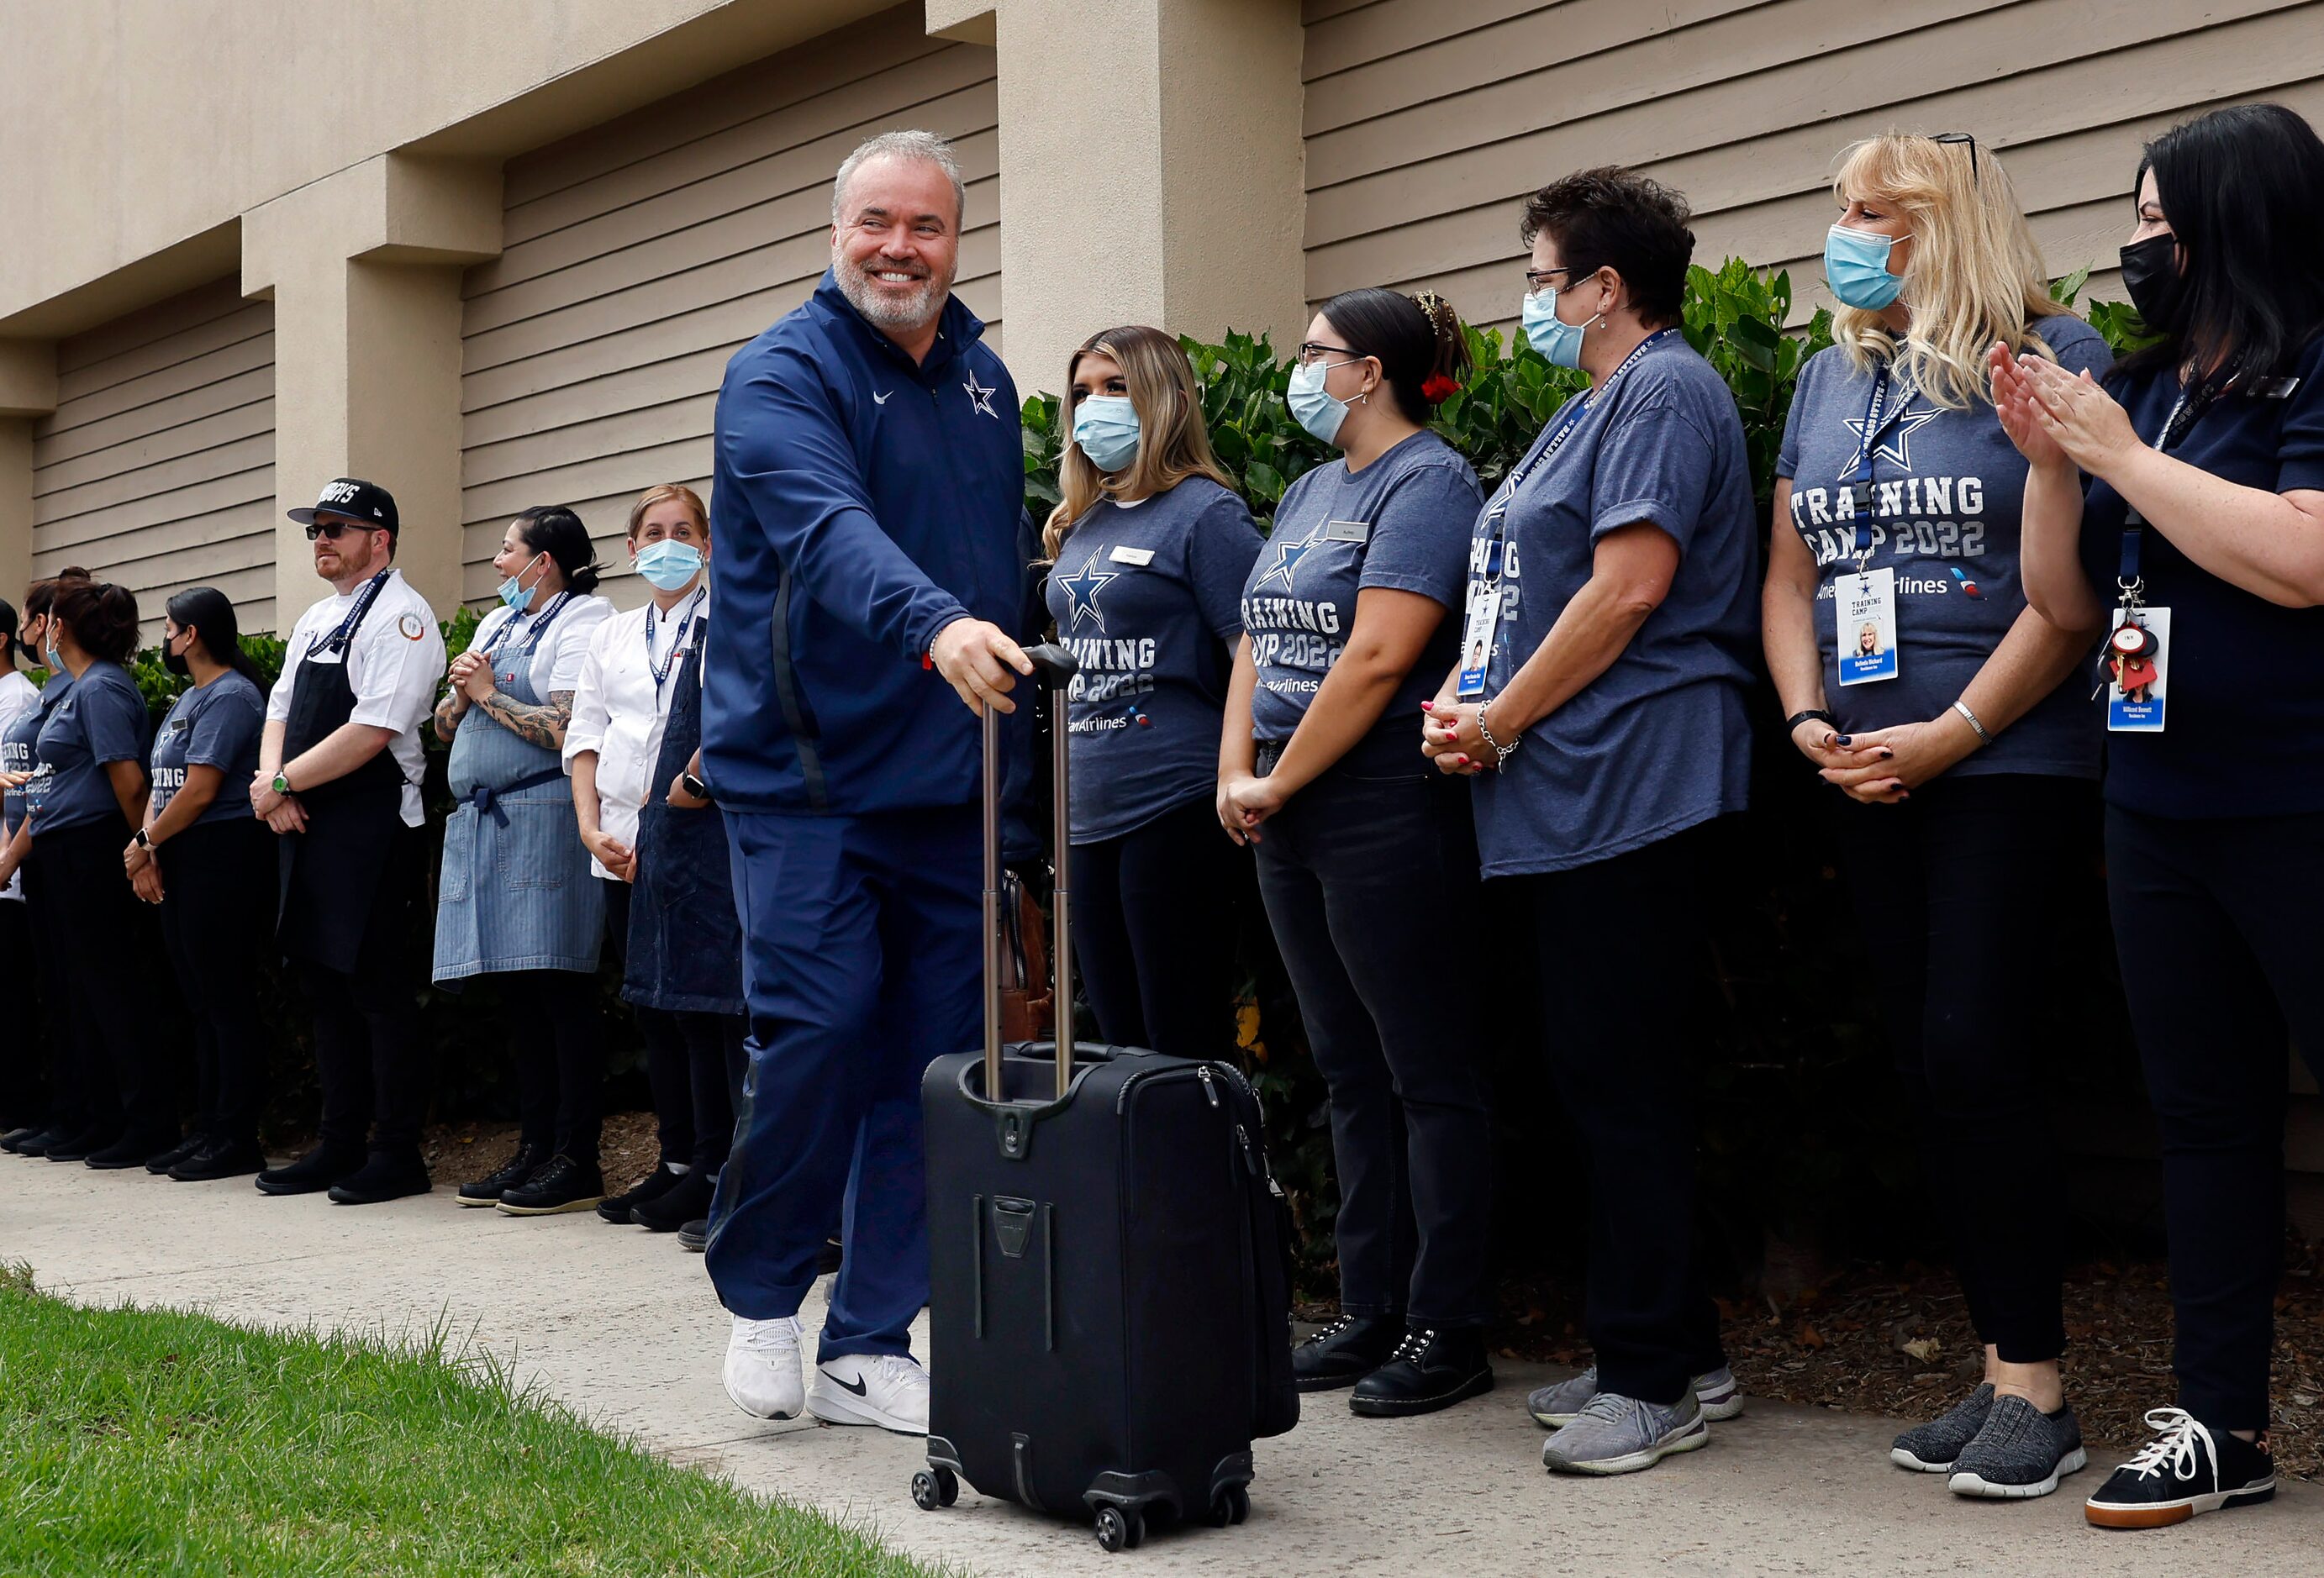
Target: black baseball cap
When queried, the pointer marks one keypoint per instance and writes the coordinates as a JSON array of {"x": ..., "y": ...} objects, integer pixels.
[{"x": 353, "y": 499}]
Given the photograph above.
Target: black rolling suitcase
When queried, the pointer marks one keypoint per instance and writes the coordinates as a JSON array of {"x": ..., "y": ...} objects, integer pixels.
[{"x": 1110, "y": 1308}]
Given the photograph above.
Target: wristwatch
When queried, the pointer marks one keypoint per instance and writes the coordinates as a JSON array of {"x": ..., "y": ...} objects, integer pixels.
[
  {"x": 693, "y": 785},
  {"x": 141, "y": 841},
  {"x": 281, "y": 782}
]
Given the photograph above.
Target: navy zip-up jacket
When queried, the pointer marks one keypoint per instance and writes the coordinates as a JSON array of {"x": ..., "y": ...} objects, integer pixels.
[{"x": 860, "y": 503}]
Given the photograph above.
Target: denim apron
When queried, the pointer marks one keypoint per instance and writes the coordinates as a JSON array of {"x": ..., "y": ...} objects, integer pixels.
[
  {"x": 516, "y": 893},
  {"x": 685, "y": 942}
]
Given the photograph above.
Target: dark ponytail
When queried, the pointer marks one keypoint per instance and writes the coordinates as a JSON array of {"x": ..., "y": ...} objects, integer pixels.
[
  {"x": 209, "y": 612},
  {"x": 557, "y": 531},
  {"x": 101, "y": 616},
  {"x": 1417, "y": 340}
]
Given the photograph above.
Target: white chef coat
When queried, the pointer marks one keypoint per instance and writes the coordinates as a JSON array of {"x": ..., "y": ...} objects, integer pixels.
[{"x": 619, "y": 713}]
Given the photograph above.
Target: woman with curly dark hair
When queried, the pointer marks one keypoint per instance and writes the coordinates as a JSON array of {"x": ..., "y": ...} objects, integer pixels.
[{"x": 1609, "y": 628}]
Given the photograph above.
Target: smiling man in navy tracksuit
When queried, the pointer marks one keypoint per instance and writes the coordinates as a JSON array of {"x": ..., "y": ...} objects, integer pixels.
[{"x": 868, "y": 508}]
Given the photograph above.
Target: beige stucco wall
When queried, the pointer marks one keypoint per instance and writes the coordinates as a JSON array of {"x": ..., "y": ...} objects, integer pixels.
[{"x": 137, "y": 127}]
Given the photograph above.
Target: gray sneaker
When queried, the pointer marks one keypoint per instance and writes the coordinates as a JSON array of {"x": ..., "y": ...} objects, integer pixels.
[
  {"x": 1930, "y": 1448},
  {"x": 1554, "y": 1407},
  {"x": 2021, "y": 1453},
  {"x": 1616, "y": 1434}
]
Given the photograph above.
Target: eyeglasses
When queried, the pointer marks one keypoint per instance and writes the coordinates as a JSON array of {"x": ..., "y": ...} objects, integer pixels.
[
  {"x": 1964, "y": 138},
  {"x": 1314, "y": 351},
  {"x": 1539, "y": 279},
  {"x": 332, "y": 529}
]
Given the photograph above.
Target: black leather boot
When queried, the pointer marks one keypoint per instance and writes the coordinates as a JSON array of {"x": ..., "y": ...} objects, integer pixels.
[
  {"x": 1346, "y": 1350},
  {"x": 1433, "y": 1368}
]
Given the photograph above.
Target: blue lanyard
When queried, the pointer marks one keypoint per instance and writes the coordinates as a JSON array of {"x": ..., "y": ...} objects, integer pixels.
[
  {"x": 336, "y": 641},
  {"x": 1496, "y": 518},
  {"x": 539, "y": 629},
  {"x": 660, "y": 671},
  {"x": 1878, "y": 414},
  {"x": 2134, "y": 525}
]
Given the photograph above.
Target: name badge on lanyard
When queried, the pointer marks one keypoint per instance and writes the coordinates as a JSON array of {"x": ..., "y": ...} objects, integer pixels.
[
  {"x": 2134, "y": 666},
  {"x": 1864, "y": 604},
  {"x": 1477, "y": 635}
]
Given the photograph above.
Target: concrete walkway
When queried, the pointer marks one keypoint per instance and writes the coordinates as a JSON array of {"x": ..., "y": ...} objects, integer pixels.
[{"x": 622, "y": 1325}]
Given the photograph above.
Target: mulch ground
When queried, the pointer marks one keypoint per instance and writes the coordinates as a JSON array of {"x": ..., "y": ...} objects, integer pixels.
[{"x": 1896, "y": 1341}]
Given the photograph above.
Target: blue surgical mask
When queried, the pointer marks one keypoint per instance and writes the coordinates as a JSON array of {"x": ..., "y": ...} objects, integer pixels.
[
  {"x": 1313, "y": 406},
  {"x": 56, "y": 658},
  {"x": 514, "y": 591},
  {"x": 1549, "y": 333},
  {"x": 669, "y": 564},
  {"x": 1855, "y": 267},
  {"x": 1106, "y": 429}
]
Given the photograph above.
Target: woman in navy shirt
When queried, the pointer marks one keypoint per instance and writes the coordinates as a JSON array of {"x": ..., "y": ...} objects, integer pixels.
[
  {"x": 2204, "y": 529},
  {"x": 1964, "y": 765},
  {"x": 1148, "y": 551},
  {"x": 1367, "y": 859},
  {"x": 209, "y": 865},
  {"x": 1598, "y": 703},
  {"x": 85, "y": 794}
]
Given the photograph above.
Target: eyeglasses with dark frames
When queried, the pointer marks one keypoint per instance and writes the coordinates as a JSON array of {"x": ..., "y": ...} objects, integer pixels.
[
  {"x": 1539, "y": 279},
  {"x": 1314, "y": 351},
  {"x": 332, "y": 529},
  {"x": 1965, "y": 138}
]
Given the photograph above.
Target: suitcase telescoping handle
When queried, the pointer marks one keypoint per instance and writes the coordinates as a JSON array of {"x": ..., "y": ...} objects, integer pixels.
[{"x": 1053, "y": 669}]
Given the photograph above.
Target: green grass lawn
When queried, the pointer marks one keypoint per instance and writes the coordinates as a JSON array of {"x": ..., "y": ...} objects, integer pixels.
[{"x": 149, "y": 1441}]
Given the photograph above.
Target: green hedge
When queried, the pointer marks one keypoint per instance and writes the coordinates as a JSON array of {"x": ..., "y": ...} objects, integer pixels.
[{"x": 1805, "y": 1141}]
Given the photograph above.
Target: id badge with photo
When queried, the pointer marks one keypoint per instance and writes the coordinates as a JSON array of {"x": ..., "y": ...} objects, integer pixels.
[
  {"x": 1864, "y": 607},
  {"x": 2138, "y": 669},
  {"x": 1477, "y": 638}
]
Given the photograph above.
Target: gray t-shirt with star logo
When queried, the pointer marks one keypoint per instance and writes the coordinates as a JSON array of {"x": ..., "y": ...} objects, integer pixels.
[
  {"x": 1943, "y": 511},
  {"x": 1144, "y": 597},
  {"x": 1403, "y": 523}
]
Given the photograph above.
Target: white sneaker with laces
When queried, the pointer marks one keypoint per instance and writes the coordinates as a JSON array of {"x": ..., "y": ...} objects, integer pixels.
[
  {"x": 887, "y": 1390},
  {"x": 763, "y": 1368}
]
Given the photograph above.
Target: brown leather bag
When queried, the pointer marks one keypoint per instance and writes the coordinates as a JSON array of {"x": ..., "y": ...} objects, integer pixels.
[{"x": 1027, "y": 1011}]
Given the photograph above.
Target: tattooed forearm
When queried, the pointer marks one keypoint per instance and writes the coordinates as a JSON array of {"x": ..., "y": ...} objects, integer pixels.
[
  {"x": 447, "y": 716},
  {"x": 541, "y": 723}
]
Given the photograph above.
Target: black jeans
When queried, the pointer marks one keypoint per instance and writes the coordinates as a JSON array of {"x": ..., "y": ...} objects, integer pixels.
[
  {"x": 694, "y": 1063},
  {"x": 557, "y": 1037},
  {"x": 218, "y": 882},
  {"x": 1368, "y": 882},
  {"x": 1619, "y": 944},
  {"x": 1957, "y": 894},
  {"x": 104, "y": 939},
  {"x": 2218, "y": 928},
  {"x": 24, "y": 1082},
  {"x": 371, "y": 1057},
  {"x": 1154, "y": 931}
]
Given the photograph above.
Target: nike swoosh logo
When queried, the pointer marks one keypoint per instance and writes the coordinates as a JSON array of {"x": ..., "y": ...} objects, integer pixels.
[
  {"x": 881, "y": 399},
  {"x": 857, "y": 1388}
]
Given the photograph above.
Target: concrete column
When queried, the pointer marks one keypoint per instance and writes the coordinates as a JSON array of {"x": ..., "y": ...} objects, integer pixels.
[
  {"x": 28, "y": 391},
  {"x": 364, "y": 269},
  {"x": 1152, "y": 169}
]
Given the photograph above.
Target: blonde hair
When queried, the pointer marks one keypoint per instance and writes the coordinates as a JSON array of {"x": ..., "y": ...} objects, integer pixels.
[
  {"x": 663, "y": 494},
  {"x": 1172, "y": 444},
  {"x": 1974, "y": 276}
]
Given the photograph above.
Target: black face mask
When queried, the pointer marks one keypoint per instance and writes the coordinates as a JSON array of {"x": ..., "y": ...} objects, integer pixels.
[
  {"x": 174, "y": 662},
  {"x": 2150, "y": 273}
]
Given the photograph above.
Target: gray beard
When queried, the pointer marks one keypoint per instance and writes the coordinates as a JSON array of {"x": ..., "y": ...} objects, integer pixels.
[{"x": 856, "y": 284}]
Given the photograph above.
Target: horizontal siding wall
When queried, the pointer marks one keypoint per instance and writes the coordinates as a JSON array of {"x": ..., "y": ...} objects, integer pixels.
[
  {"x": 641, "y": 254},
  {"x": 156, "y": 469},
  {"x": 1427, "y": 121}
]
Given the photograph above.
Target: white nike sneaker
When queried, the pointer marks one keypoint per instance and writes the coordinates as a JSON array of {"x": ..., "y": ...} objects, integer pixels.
[
  {"x": 887, "y": 1390},
  {"x": 763, "y": 1368}
]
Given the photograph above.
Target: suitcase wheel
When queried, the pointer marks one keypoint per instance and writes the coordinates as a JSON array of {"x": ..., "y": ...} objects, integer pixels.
[
  {"x": 1120, "y": 1528},
  {"x": 935, "y": 1487},
  {"x": 1230, "y": 1505}
]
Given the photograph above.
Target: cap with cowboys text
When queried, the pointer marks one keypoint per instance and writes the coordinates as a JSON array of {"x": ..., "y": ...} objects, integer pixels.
[{"x": 353, "y": 499}]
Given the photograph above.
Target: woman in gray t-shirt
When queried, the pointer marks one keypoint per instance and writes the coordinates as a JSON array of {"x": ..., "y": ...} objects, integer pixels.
[
  {"x": 1963, "y": 756},
  {"x": 1148, "y": 551}
]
